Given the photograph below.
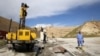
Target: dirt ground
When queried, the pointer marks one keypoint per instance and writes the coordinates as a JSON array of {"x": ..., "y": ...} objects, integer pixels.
[{"x": 91, "y": 48}]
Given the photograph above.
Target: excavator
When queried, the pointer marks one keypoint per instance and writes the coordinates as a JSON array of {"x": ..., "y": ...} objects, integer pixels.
[{"x": 24, "y": 38}]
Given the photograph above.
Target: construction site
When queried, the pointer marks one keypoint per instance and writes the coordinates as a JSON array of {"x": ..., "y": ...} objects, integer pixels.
[{"x": 17, "y": 39}]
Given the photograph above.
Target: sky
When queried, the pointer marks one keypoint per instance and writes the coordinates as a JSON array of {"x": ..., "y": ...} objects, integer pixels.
[{"x": 52, "y": 12}]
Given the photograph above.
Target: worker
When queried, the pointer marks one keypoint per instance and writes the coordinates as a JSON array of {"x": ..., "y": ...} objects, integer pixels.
[
  {"x": 41, "y": 34},
  {"x": 80, "y": 39},
  {"x": 23, "y": 14},
  {"x": 45, "y": 37}
]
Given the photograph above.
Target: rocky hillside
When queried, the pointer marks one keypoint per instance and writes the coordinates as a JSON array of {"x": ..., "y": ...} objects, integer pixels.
[
  {"x": 4, "y": 24},
  {"x": 57, "y": 31},
  {"x": 92, "y": 27},
  {"x": 89, "y": 29}
]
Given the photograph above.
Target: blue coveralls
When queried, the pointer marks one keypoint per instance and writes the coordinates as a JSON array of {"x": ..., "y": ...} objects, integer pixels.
[{"x": 80, "y": 39}]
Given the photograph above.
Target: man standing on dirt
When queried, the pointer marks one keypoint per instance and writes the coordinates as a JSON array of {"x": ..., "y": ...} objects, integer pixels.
[{"x": 80, "y": 39}]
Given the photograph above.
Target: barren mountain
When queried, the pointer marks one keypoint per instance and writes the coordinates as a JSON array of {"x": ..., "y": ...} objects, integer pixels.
[
  {"x": 92, "y": 27},
  {"x": 5, "y": 23},
  {"x": 89, "y": 29},
  {"x": 58, "y": 31},
  {"x": 53, "y": 31}
]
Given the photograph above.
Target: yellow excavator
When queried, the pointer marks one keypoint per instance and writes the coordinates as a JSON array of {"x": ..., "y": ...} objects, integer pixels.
[{"x": 23, "y": 37}]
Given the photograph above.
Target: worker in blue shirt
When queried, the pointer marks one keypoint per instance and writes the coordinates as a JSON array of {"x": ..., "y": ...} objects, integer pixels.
[{"x": 80, "y": 39}]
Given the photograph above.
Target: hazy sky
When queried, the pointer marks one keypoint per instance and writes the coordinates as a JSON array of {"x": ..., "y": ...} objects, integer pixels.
[{"x": 55, "y": 12}]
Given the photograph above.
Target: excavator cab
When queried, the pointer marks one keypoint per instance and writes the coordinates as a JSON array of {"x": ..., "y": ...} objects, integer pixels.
[{"x": 24, "y": 34}]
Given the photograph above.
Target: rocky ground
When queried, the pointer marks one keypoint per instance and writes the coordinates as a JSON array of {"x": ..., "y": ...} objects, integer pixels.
[{"x": 91, "y": 48}]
